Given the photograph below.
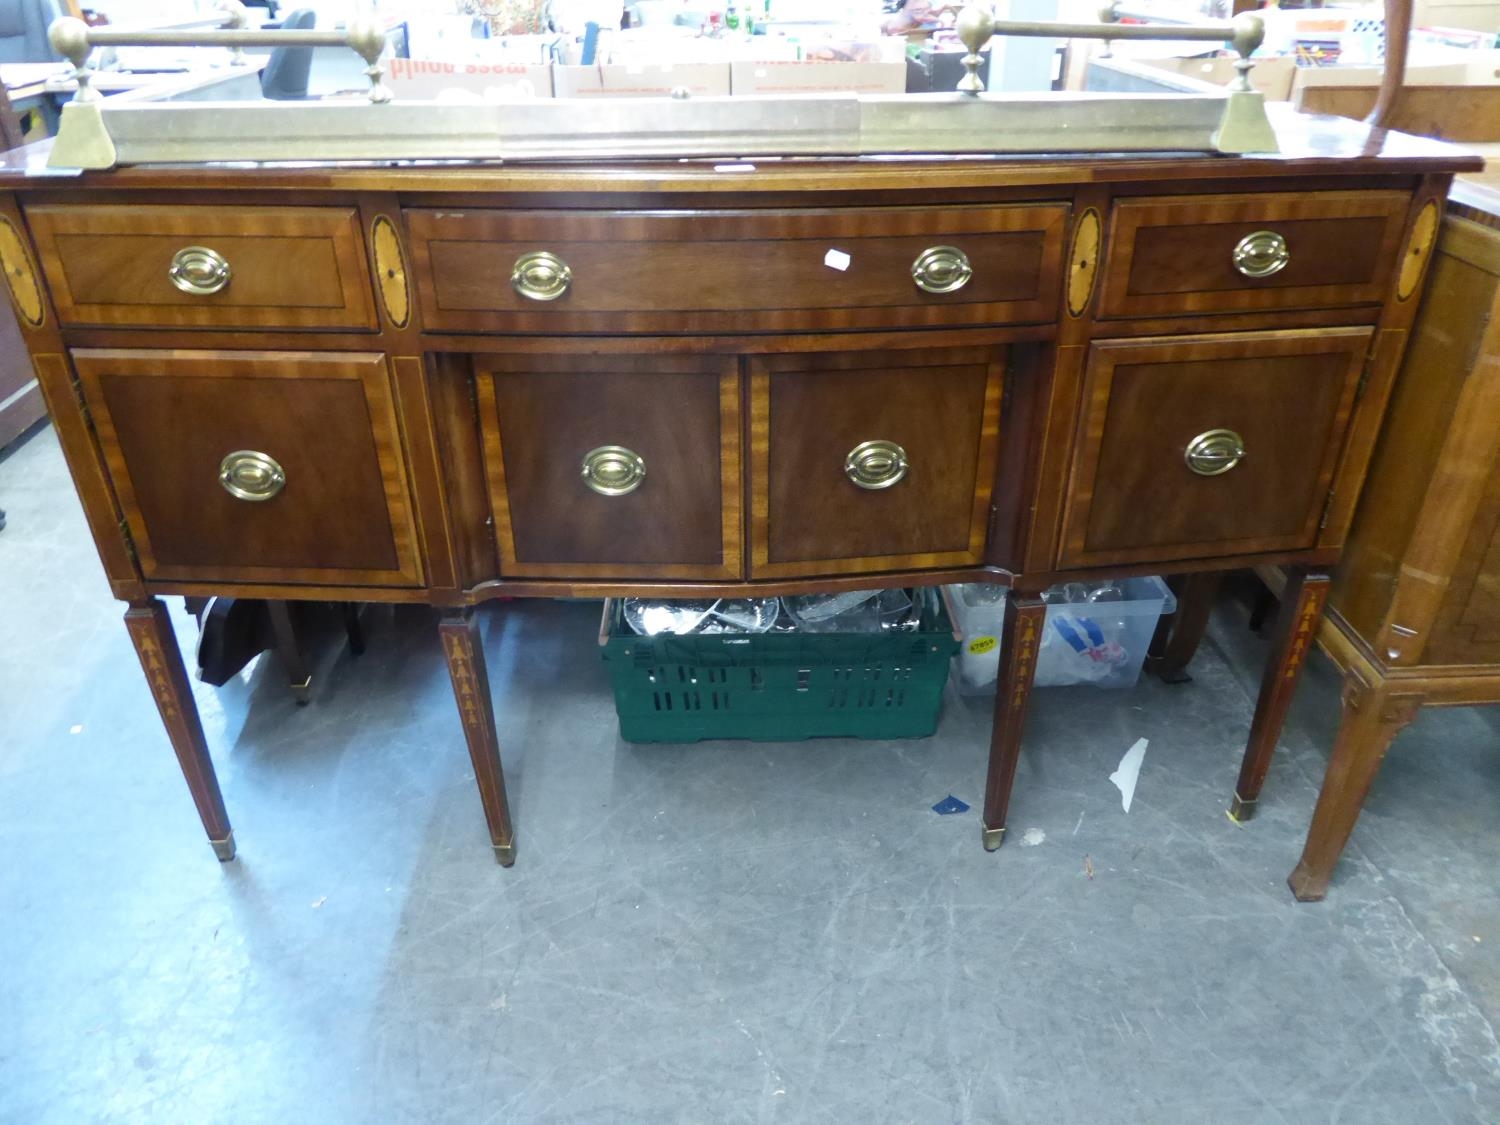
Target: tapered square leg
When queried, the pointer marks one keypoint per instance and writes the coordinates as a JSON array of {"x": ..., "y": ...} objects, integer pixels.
[
  {"x": 471, "y": 690},
  {"x": 1178, "y": 637},
  {"x": 1301, "y": 609},
  {"x": 1372, "y": 718},
  {"x": 1022, "y": 628},
  {"x": 156, "y": 644},
  {"x": 289, "y": 650}
]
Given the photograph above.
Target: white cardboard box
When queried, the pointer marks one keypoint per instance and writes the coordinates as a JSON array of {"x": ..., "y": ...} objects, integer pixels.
[
  {"x": 621, "y": 80},
  {"x": 1272, "y": 77},
  {"x": 817, "y": 77},
  {"x": 422, "y": 79}
]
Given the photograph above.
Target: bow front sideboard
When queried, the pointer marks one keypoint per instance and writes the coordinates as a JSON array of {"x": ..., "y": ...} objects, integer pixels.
[{"x": 451, "y": 382}]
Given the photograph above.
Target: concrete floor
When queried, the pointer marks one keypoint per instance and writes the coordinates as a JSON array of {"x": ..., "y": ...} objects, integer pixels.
[{"x": 722, "y": 933}]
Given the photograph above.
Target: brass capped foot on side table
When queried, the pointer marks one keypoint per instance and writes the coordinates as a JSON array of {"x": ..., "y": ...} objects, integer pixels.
[
  {"x": 505, "y": 854},
  {"x": 993, "y": 838},
  {"x": 1241, "y": 810},
  {"x": 224, "y": 848}
]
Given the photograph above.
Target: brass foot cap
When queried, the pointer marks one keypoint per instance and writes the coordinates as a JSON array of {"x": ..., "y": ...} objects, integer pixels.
[
  {"x": 993, "y": 838},
  {"x": 505, "y": 854},
  {"x": 1241, "y": 809},
  {"x": 302, "y": 692},
  {"x": 224, "y": 848}
]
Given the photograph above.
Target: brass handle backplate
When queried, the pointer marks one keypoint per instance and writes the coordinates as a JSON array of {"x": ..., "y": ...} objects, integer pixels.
[
  {"x": 941, "y": 269},
  {"x": 613, "y": 470},
  {"x": 876, "y": 464},
  {"x": 541, "y": 276},
  {"x": 1214, "y": 451},
  {"x": 249, "y": 475},
  {"x": 1261, "y": 254},
  {"x": 199, "y": 271}
]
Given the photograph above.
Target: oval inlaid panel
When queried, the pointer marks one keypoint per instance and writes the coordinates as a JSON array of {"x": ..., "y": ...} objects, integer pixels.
[
  {"x": 390, "y": 270},
  {"x": 20, "y": 275},
  {"x": 1083, "y": 262},
  {"x": 1423, "y": 233}
]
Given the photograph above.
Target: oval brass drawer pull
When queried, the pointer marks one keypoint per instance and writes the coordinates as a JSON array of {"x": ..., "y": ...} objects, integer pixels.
[
  {"x": 541, "y": 276},
  {"x": 249, "y": 475},
  {"x": 941, "y": 269},
  {"x": 199, "y": 271},
  {"x": 1261, "y": 254},
  {"x": 1214, "y": 451},
  {"x": 876, "y": 464},
  {"x": 613, "y": 470}
]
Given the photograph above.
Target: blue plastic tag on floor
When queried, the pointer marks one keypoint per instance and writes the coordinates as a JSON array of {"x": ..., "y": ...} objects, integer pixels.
[{"x": 949, "y": 805}]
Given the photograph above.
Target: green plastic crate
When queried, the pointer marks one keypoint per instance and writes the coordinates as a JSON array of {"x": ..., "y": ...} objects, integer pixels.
[{"x": 780, "y": 687}]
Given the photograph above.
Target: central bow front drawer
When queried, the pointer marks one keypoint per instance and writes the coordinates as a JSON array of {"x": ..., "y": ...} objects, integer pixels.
[{"x": 727, "y": 271}]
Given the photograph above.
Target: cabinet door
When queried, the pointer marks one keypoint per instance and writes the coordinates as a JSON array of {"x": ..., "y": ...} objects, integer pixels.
[
  {"x": 872, "y": 460},
  {"x": 255, "y": 466},
  {"x": 1209, "y": 445},
  {"x": 613, "y": 466}
]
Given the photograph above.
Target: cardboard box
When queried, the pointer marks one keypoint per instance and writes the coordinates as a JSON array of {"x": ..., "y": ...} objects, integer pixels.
[
  {"x": 426, "y": 80},
  {"x": 818, "y": 77},
  {"x": 1272, "y": 77},
  {"x": 619, "y": 80}
]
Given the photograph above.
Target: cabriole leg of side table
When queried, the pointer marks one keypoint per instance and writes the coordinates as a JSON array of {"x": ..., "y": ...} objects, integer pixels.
[
  {"x": 155, "y": 643},
  {"x": 1301, "y": 609},
  {"x": 1372, "y": 719},
  {"x": 1022, "y": 635},
  {"x": 471, "y": 690}
]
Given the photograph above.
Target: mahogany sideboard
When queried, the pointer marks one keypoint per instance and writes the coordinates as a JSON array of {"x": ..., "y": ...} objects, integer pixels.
[{"x": 451, "y": 382}]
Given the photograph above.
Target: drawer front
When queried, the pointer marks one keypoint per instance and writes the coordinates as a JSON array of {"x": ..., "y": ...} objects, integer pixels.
[
  {"x": 870, "y": 461},
  {"x": 1204, "y": 446},
  {"x": 1243, "y": 252},
  {"x": 613, "y": 466},
  {"x": 264, "y": 467},
  {"x": 788, "y": 270},
  {"x": 209, "y": 267}
]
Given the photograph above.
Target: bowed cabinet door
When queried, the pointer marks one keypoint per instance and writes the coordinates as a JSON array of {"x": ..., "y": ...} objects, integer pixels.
[
  {"x": 1205, "y": 446},
  {"x": 613, "y": 466},
  {"x": 261, "y": 467},
  {"x": 869, "y": 461}
]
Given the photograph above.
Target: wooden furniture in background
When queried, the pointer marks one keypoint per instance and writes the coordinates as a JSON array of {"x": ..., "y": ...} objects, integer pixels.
[
  {"x": 1467, "y": 114},
  {"x": 1415, "y": 615},
  {"x": 456, "y": 383},
  {"x": 21, "y": 404}
]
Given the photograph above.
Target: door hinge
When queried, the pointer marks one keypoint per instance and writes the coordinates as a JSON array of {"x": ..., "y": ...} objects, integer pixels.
[
  {"x": 83, "y": 403},
  {"x": 129, "y": 543},
  {"x": 1328, "y": 507},
  {"x": 1365, "y": 372}
]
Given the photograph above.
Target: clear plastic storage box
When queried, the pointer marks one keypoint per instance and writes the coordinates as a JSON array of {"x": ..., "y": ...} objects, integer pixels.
[{"x": 1096, "y": 633}]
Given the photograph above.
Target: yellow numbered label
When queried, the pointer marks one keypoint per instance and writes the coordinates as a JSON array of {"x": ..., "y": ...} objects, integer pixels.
[{"x": 982, "y": 644}]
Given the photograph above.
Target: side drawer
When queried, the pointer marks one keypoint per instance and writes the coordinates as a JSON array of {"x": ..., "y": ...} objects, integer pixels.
[
  {"x": 1233, "y": 253},
  {"x": 613, "y": 466},
  {"x": 265, "y": 467},
  {"x": 205, "y": 267},
  {"x": 866, "y": 461},
  {"x": 1205, "y": 446},
  {"x": 728, "y": 271}
]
